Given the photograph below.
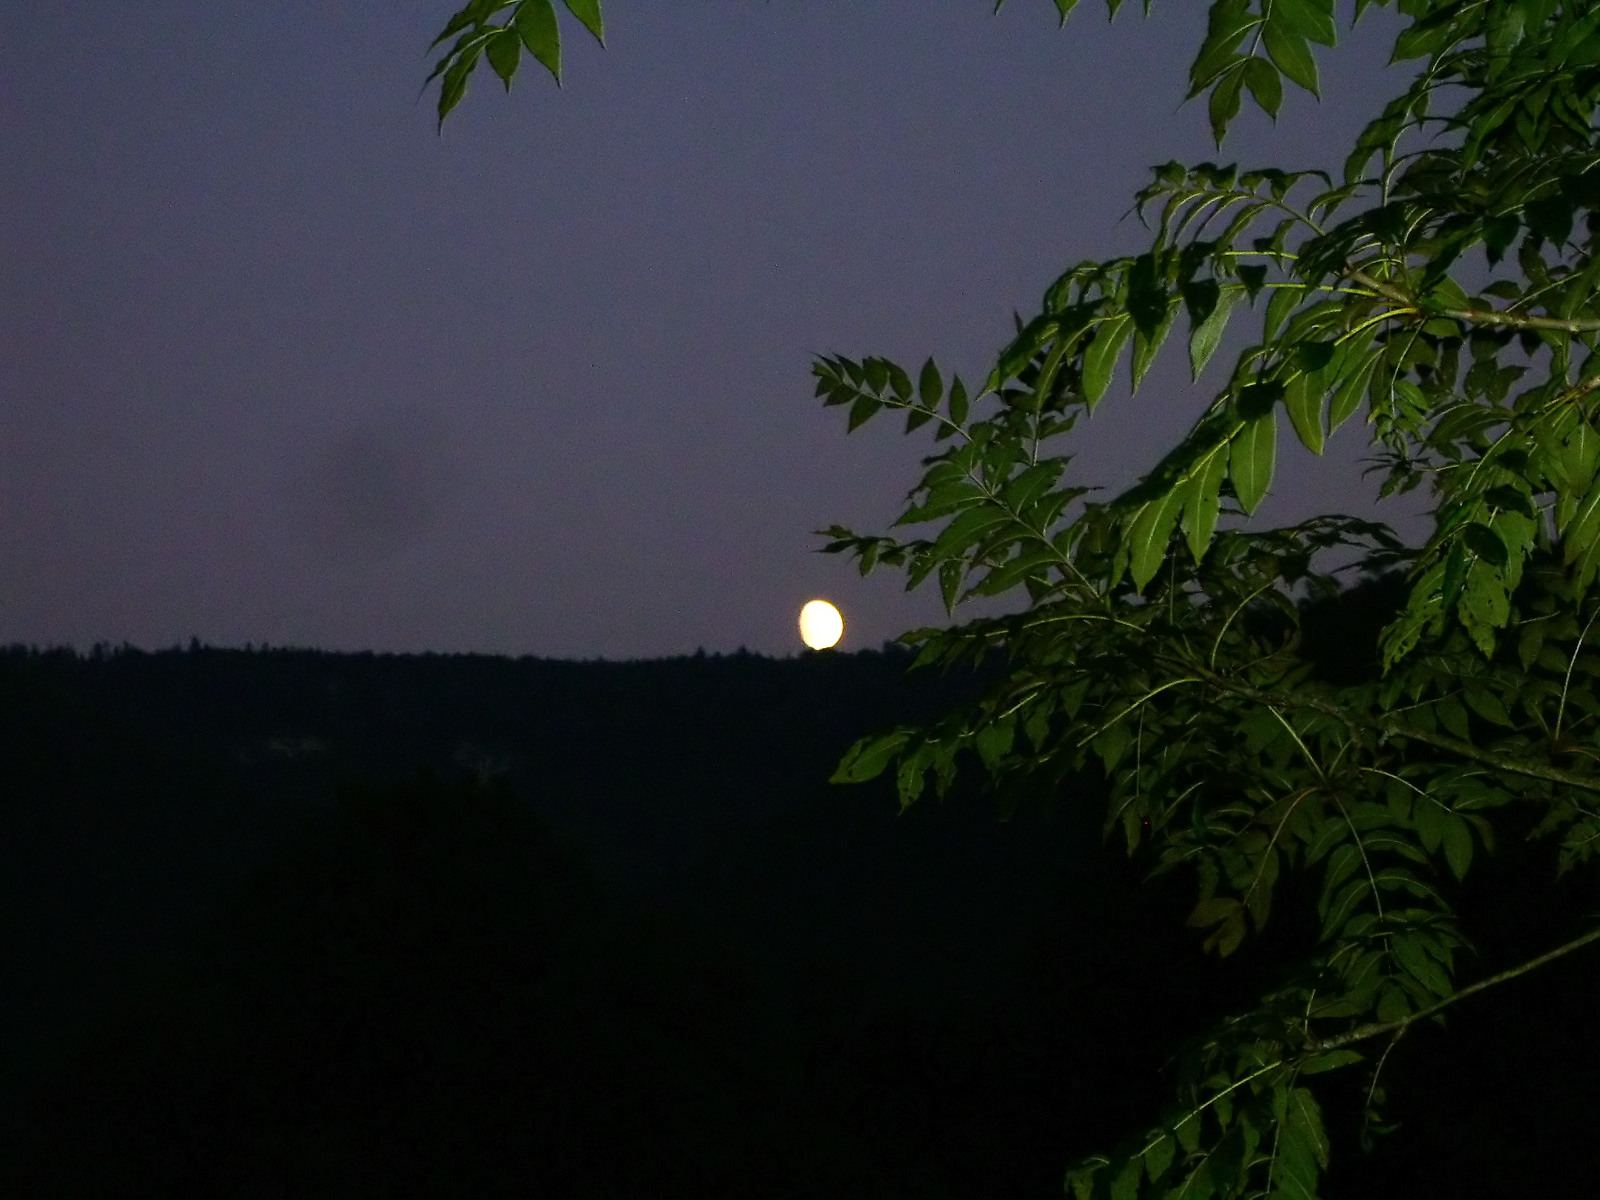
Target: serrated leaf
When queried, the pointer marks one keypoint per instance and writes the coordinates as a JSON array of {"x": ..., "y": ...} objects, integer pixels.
[{"x": 1252, "y": 457}]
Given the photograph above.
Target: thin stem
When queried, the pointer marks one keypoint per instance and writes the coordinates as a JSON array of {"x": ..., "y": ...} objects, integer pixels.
[{"x": 1379, "y": 1028}]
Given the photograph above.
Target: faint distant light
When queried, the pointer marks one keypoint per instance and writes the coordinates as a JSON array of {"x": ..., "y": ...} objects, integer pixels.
[{"x": 821, "y": 625}]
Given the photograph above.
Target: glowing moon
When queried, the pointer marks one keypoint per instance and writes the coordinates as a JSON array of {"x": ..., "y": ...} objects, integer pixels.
[{"x": 820, "y": 625}]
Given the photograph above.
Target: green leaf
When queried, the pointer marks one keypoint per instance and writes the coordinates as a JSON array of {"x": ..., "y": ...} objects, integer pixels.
[
  {"x": 454, "y": 85},
  {"x": 1126, "y": 1185},
  {"x": 1312, "y": 19},
  {"x": 958, "y": 401},
  {"x": 1330, "y": 1060},
  {"x": 1100, "y": 359},
  {"x": 1314, "y": 355},
  {"x": 1148, "y": 535},
  {"x": 1213, "y": 910},
  {"x": 1283, "y": 302},
  {"x": 899, "y": 381},
  {"x": 1230, "y": 21},
  {"x": 1347, "y": 396},
  {"x": 1265, "y": 84},
  {"x": 588, "y": 12},
  {"x": 930, "y": 388},
  {"x": 1158, "y": 1158},
  {"x": 1147, "y": 345},
  {"x": 536, "y": 23},
  {"x": 1457, "y": 839},
  {"x": 1201, "y": 502},
  {"x": 1583, "y": 527},
  {"x": 1485, "y": 543},
  {"x": 1419, "y": 964},
  {"x": 1225, "y": 101},
  {"x": 994, "y": 742},
  {"x": 1302, "y": 397},
  {"x": 1290, "y": 51},
  {"x": 1203, "y": 337},
  {"x": 503, "y": 50},
  {"x": 862, "y": 411},
  {"x": 1251, "y": 459},
  {"x": 867, "y": 758}
]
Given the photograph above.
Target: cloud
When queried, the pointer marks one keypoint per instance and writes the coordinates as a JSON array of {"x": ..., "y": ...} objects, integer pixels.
[{"x": 375, "y": 487}]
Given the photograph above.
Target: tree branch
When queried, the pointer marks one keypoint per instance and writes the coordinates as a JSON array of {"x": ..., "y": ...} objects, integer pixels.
[
  {"x": 1379, "y": 1028},
  {"x": 1393, "y": 727},
  {"x": 1474, "y": 316}
]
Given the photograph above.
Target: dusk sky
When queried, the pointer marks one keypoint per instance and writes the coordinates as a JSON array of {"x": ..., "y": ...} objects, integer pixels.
[{"x": 280, "y": 364}]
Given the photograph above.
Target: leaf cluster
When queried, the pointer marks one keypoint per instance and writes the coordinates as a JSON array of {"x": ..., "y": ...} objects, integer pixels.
[
  {"x": 1444, "y": 288},
  {"x": 1444, "y": 285},
  {"x": 499, "y": 31}
]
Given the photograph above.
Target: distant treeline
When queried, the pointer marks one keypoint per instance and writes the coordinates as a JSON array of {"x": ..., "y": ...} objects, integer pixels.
[{"x": 291, "y": 922}]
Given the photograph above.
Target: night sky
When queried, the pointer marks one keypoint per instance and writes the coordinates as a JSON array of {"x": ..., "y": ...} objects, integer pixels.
[{"x": 280, "y": 364}]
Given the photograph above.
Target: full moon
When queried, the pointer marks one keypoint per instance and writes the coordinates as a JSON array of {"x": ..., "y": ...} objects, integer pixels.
[{"x": 820, "y": 625}]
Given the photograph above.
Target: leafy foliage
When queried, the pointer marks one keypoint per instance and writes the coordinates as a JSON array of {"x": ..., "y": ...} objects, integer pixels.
[
  {"x": 499, "y": 31},
  {"x": 1443, "y": 283}
]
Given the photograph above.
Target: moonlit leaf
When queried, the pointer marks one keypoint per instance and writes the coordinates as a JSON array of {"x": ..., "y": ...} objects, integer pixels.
[
  {"x": 1100, "y": 359},
  {"x": 1302, "y": 399},
  {"x": 1208, "y": 333},
  {"x": 1148, "y": 535},
  {"x": 1252, "y": 458}
]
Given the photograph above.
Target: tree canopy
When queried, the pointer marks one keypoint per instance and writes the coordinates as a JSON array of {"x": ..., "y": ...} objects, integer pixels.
[{"x": 1441, "y": 283}]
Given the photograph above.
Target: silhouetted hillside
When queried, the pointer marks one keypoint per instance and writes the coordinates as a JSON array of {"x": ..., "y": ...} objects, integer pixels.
[{"x": 294, "y": 923}]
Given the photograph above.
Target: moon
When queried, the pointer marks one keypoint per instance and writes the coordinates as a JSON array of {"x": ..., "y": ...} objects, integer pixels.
[{"x": 821, "y": 625}]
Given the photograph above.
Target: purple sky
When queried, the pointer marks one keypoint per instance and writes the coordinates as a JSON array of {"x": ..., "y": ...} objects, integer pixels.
[{"x": 278, "y": 364}]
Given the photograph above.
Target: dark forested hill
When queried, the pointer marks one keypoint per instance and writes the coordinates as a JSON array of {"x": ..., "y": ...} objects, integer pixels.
[{"x": 283, "y": 922}]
